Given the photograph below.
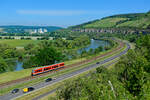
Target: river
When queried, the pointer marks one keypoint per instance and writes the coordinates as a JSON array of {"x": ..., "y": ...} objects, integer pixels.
[{"x": 94, "y": 44}]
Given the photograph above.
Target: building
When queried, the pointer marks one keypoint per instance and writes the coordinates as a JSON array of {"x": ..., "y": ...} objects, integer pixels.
[{"x": 40, "y": 30}]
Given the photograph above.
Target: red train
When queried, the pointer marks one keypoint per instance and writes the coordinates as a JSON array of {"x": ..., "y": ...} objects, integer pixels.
[{"x": 47, "y": 68}]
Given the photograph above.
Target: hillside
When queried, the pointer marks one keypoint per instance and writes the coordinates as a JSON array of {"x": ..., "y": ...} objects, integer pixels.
[
  {"x": 134, "y": 20},
  {"x": 27, "y": 29},
  {"x": 128, "y": 79}
]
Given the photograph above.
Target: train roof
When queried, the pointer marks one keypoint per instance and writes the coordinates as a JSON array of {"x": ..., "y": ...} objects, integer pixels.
[{"x": 47, "y": 66}]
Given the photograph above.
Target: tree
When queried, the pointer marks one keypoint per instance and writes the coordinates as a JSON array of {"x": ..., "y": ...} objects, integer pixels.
[
  {"x": 83, "y": 53},
  {"x": 3, "y": 65},
  {"x": 46, "y": 56},
  {"x": 107, "y": 48},
  {"x": 143, "y": 43},
  {"x": 91, "y": 51},
  {"x": 20, "y": 53},
  {"x": 100, "y": 48},
  {"x": 101, "y": 69},
  {"x": 96, "y": 51},
  {"x": 96, "y": 86},
  {"x": 7, "y": 51},
  {"x": 29, "y": 46},
  {"x": 133, "y": 75}
]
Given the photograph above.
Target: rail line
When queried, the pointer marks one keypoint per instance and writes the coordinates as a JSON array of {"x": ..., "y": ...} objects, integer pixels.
[{"x": 2, "y": 85}]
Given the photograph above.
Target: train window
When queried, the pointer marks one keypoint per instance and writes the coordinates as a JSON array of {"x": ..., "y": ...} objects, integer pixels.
[
  {"x": 47, "y": 68},
  {"x": 61, "y": 64},
  {"x": 55, "y": 66},
  {"x": 38, "y": 70}
]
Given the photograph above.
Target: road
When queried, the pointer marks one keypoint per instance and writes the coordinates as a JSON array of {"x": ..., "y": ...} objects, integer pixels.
[
  {"x": 10, "y": 96},
  {"x": 54, "y": 90}
]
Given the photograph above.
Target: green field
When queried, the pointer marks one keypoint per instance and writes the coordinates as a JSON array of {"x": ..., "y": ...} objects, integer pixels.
[
  {"x": 9, "y": 76},
  {"x": 18, "y": 43}
]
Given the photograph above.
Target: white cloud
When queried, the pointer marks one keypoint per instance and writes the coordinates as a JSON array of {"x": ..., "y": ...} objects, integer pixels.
[
  {"x": 61, "y": 12},
  {"x": 51, "y": 12}
]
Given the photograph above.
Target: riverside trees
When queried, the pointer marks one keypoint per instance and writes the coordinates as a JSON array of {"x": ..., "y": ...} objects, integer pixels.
[
  {"x": 7, "y": 52},
  {"x": 128, "y": 80},
  {"x": 50, "y": 52},
  {"x": 3, "y": 65}
]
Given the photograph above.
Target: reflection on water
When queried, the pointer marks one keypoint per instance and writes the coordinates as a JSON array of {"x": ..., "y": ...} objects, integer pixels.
[
  {"x": 94, "y": 44},
  {"x": 19, "y": 65}
]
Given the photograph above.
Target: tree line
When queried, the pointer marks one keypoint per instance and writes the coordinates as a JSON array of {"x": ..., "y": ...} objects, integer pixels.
[
  {"x": 49, "y": 51},
  {"x": 127, "y": 80}
]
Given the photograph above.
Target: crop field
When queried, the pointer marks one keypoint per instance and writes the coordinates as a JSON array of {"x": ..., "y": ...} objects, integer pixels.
[
  {"x": 143, "y": 23},
  {"x": 109, "y": 22}
]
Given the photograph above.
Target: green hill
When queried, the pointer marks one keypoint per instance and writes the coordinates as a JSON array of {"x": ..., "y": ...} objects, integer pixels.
[
  {"x": 27, "y": 29},
  {"x": 134, "y": 20}
]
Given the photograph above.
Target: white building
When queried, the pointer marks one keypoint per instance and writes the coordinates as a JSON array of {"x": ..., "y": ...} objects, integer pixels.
[
  {"x": 45, "y": 30},
  {"x": 40, "y": 30}
]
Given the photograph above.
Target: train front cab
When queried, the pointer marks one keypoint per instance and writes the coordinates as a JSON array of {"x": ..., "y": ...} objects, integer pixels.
[
  {"x": 37, "y": 71},
  {"x": 46, "y": 69}
]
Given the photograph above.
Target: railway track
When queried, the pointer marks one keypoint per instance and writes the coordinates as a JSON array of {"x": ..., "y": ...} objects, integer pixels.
[{"x": 2, "y": 85}]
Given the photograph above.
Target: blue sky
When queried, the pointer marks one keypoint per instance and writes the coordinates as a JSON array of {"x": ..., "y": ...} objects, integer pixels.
[{"x": 65, "y": 12}]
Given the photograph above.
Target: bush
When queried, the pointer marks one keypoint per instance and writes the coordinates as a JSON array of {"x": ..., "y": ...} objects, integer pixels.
[
  {"x": 101, "y": 69},
  {"x": 3, "y": 65}
]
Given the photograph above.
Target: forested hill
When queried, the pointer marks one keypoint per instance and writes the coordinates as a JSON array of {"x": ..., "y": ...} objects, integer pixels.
[
  {"x": 134, "y": 21},
  {"x": 27, "y": 29}
]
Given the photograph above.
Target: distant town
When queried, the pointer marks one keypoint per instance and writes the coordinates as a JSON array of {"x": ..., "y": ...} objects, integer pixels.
[
  {"x": 28, "y": 29},
  {"x": 33, "y": 31}
]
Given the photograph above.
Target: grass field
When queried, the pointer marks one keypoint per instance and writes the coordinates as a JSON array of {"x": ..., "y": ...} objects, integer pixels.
[
  {"x": 8, "y": 76},
  {"x": 18, "y": 43}
]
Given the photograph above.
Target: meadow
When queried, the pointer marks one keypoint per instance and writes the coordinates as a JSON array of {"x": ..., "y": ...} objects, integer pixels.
[{"x": 18, "y": 43}]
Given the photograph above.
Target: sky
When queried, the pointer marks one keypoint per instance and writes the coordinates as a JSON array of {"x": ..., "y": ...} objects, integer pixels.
[{"x": 65, "y": 13}]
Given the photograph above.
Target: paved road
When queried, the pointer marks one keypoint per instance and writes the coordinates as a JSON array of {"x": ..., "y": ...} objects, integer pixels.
[
  {"x": 10, "y": 96},
  {"x": 54, "y": 90}
]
